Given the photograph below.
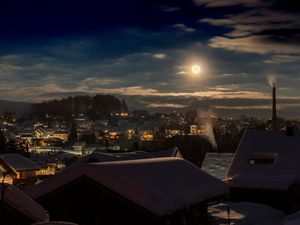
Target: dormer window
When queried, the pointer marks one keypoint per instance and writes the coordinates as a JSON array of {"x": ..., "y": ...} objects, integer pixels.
[{"x": 262, "y": 158}]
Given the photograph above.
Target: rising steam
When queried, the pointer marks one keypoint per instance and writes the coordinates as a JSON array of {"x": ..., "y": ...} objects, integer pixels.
[
  {"x": 208, "y": 126},
  {"x": 271, "y": 80},
  {"x": 210, "y": 133}
]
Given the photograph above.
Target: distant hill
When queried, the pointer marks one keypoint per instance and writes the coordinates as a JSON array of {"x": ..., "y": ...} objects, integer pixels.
[{"x": 11, "y": 106}]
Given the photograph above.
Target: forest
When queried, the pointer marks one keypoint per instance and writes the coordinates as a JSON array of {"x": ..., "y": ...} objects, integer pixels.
[{"x": 93, "y": 106}]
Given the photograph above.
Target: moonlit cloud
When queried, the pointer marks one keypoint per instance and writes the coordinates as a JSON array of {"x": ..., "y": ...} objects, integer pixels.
[
  {"x": 283, "y": 59},
  {"x": 259, "y": 30},
  {"x": 166, "y": 105},
  {"x": 97, "y": 81},
  {"x": 160, "y": 56},
  {"x": 182, "y": 72},
  {"x": 254, "y": 44},
  {"x": 183, "y": 27},
  {"x": 258, "y": 107}
]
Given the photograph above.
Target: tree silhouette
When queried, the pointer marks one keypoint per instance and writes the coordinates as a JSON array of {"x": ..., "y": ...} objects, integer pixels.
[
  {"x": 124, "y": 105},
  {"x": 15, "y": 147},
  {"x": 73, "y": 133},
  {"x": 3, "y": 143},
  {"x": 96, "y": 106}
]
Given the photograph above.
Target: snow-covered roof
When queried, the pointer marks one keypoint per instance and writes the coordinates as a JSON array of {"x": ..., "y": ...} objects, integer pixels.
[
  {"x": 217, "y": 164},
  {"x": 266, "y": 159},
  {"x": 160, "y": 185},
  {"x": 171, "y": 152},
  {"x": 24, "y": 204},
  {"x": 108, "y": 157},
  {"x": 18, "y": 162},
  {"x": 6, "y": 168}
]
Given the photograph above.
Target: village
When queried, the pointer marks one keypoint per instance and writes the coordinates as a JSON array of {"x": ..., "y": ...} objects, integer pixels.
[
  {"x": 54, "y": 143},
  {"x": 124, "y": 163},
  {"x": 149, "y": 112}
]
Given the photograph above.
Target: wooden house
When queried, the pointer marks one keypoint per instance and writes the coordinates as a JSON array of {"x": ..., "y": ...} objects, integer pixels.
[
  {"x": 155, "y": 191},
  {"x": 266, "y": 169},
  {"x": 25, "y": 169},
  {"x": 7, "y": 173}
]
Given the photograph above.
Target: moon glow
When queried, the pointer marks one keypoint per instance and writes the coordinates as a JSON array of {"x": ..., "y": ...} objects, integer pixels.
[{"x": 196, "y": 69}]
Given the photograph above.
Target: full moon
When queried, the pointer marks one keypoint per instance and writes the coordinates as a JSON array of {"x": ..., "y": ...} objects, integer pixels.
[{"x": 196, "y": 69}]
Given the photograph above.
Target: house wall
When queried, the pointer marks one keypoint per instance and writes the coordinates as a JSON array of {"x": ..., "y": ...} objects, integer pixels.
[
  {"x": 25, "y": 179},
  {"x": 26, "y": 174},
  {"x": 86, "y": 202}
]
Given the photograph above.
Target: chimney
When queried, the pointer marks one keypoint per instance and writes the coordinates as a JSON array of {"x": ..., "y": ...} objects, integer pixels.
[{"x": 274, "y": 118}]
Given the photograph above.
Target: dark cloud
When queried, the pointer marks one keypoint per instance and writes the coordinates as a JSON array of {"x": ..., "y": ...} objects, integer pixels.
[{"x": 268, "y": 29}]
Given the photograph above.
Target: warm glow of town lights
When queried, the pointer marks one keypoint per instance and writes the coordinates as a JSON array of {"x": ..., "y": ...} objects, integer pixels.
[{"x": 196, "y": 69}]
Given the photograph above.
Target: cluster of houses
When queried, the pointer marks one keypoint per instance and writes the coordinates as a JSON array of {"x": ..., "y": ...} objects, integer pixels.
[
  {"x": 122, "y": 129},
  {"x": 127, "y": 188},
  {"x": 158, "y": 187},
  {"x": 135, "y": 186}
]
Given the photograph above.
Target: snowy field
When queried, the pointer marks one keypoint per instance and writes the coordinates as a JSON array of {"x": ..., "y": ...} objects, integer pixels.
[{"x": 217, "y": 164}]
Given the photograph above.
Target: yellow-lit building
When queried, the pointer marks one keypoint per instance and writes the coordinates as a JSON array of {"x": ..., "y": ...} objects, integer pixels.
[
  {"x": 26, "y": 170},
  {"x": 113, "y": 135},
  {"x": 61, "y": 135},
  {"x": 45, "y": 134},
  {"x": 147, "y": 136},
  {"x": 172, "y": 132}
]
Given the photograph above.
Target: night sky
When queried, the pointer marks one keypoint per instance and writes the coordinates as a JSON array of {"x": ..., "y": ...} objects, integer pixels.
[{"x": 143, "y": 50}]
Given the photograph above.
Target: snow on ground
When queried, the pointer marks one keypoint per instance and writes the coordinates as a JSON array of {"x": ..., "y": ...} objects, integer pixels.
[
  {"x": 293, "y": 219},
  {"x": 245, "y": 213}
]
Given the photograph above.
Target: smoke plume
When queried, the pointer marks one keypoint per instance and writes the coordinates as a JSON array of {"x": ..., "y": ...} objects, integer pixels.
[{"x": 272, "y": 80}]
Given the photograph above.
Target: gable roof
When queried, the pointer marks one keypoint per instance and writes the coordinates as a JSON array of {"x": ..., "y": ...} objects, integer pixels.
[
  {"x": 18, "y": 162},
  {"x": 98, "y": 156},
  {"x": 160, "y": 185},
  {"x": 24, "y": 204},
  {"x": 171, "y": 152},
  {"x": 279, "y": 173}
]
